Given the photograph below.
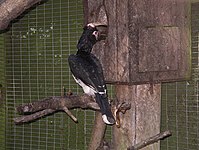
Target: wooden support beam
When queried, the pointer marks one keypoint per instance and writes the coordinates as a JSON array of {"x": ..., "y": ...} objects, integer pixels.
[
  {"x": 143, "y": 38},
  {"x": 147, "y": 43},
  {"x": 142, "y": 120}
]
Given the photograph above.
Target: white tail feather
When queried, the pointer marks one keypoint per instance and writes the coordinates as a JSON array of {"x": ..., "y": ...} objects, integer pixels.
[{"x": 104, "y": 118}]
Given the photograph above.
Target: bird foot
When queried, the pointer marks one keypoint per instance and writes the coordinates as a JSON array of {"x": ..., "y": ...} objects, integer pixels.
[
  {"x": 69, "y": 93},
  {"x": 121, "y": 107},
  {"x": 64, "y": 93}
]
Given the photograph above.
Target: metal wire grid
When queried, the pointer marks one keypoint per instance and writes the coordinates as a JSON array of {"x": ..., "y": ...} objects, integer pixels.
[
  {"x": 37, "y": 48},
  {"x": 2, "y": 93},
  {"x": 36, "y": 51},
  {"x": 180, "y": 102}
]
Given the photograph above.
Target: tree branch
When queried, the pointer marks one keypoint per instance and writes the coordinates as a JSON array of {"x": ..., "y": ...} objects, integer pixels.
[
  {"x": 150, "y": 140},
  {"x": 32, "y": 117},
  {"x": 49, "y": 105},
  {"x": 98, "y": 132},
  {"x": 106, "y": 146},
  {"x": 10, "y": 9}
]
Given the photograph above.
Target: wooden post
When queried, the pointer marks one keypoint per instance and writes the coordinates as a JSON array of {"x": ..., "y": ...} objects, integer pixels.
[
  {"x": 147, "y": 43},
  {"x": 142, "y": 120}
]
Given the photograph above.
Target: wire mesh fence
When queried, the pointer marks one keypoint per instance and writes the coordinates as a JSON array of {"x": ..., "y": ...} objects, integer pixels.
[
  {"x": 37, "y": 47},
  {"x": 180, "y": 110},
  {"x": 33, "y": 58},
  {"x": 2, "y": 93}
]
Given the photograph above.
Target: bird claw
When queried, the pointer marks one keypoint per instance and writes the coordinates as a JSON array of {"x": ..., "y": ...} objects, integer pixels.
[
  {"x": 121, "y": 107},
  {"x": 64, "y": 93},
  {"x": 69, "y": 93}
]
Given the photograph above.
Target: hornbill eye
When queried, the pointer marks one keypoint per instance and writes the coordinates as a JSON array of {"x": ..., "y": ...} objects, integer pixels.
[{"x": 96, "y": 34}]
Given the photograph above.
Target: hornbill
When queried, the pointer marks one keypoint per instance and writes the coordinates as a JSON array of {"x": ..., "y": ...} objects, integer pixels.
[{"x": 87, "y": 71}]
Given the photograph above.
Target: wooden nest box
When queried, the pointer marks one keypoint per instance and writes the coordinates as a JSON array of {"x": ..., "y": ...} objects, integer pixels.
[{"x": 148, "y": 40}]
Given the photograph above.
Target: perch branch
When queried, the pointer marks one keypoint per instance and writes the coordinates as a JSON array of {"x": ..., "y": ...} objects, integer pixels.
[
  {"x": 10, "y": 9},
  {"x": 150, "y": 140},
  {"x": 49, "y": 105},
  {"x": 28, "y": 118},
  {"x": 98, "y": 132},
  {"x": 120, "y": 108}
]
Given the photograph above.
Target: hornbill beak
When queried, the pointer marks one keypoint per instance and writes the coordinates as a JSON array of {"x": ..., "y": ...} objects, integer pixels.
[{"x": 102, "y": 30}]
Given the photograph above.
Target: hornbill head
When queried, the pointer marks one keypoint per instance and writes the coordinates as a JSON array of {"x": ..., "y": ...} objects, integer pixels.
[{"x": 90, "y": 36}]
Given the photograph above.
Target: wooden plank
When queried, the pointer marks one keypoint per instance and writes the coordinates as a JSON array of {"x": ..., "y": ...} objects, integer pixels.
[
  {"x": 125, "y": 135},
  {"x": 104, "y": 11},
  {"x": 158, "y": 49},
  {"x": 143, "y": 37},
  {"x": 155, "y": 65},
  {"x": 95, "y": 12},
  {"x": 122, "y": 41},
  {"x": 142, "y": 120},
  {"x": 148, "y": 110},
  {"x": 110, "y": 51}
]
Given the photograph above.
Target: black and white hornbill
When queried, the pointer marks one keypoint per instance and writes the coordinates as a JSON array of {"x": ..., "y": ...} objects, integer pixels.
[{"x": 87, "y": 71}]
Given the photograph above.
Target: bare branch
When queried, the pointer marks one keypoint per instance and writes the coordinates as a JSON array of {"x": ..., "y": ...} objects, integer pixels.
[
  {"x": 10, "y": 9},
  {"x": 33, "y": 117},
  {"x": 150, "y": 140},
  {"x": 98, "y": 132},
  {"x": 70, "y": 114},
  {"x": 49, "y": 105}
]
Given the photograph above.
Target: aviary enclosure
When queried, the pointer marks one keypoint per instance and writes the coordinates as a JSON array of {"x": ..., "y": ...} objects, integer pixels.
[{"x": 33, "y": 65}]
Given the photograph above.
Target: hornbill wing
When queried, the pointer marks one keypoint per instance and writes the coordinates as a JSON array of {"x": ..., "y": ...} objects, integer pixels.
[
  {"x": 88, "y": 74},
  {"x": 89, "y": 71}
]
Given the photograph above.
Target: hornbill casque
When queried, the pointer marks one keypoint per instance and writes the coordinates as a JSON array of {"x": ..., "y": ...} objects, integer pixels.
[{"x": 87, "y": 71}]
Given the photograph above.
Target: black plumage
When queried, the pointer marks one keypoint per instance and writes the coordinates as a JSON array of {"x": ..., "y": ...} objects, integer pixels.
[{"x": 87, "y": 71}]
